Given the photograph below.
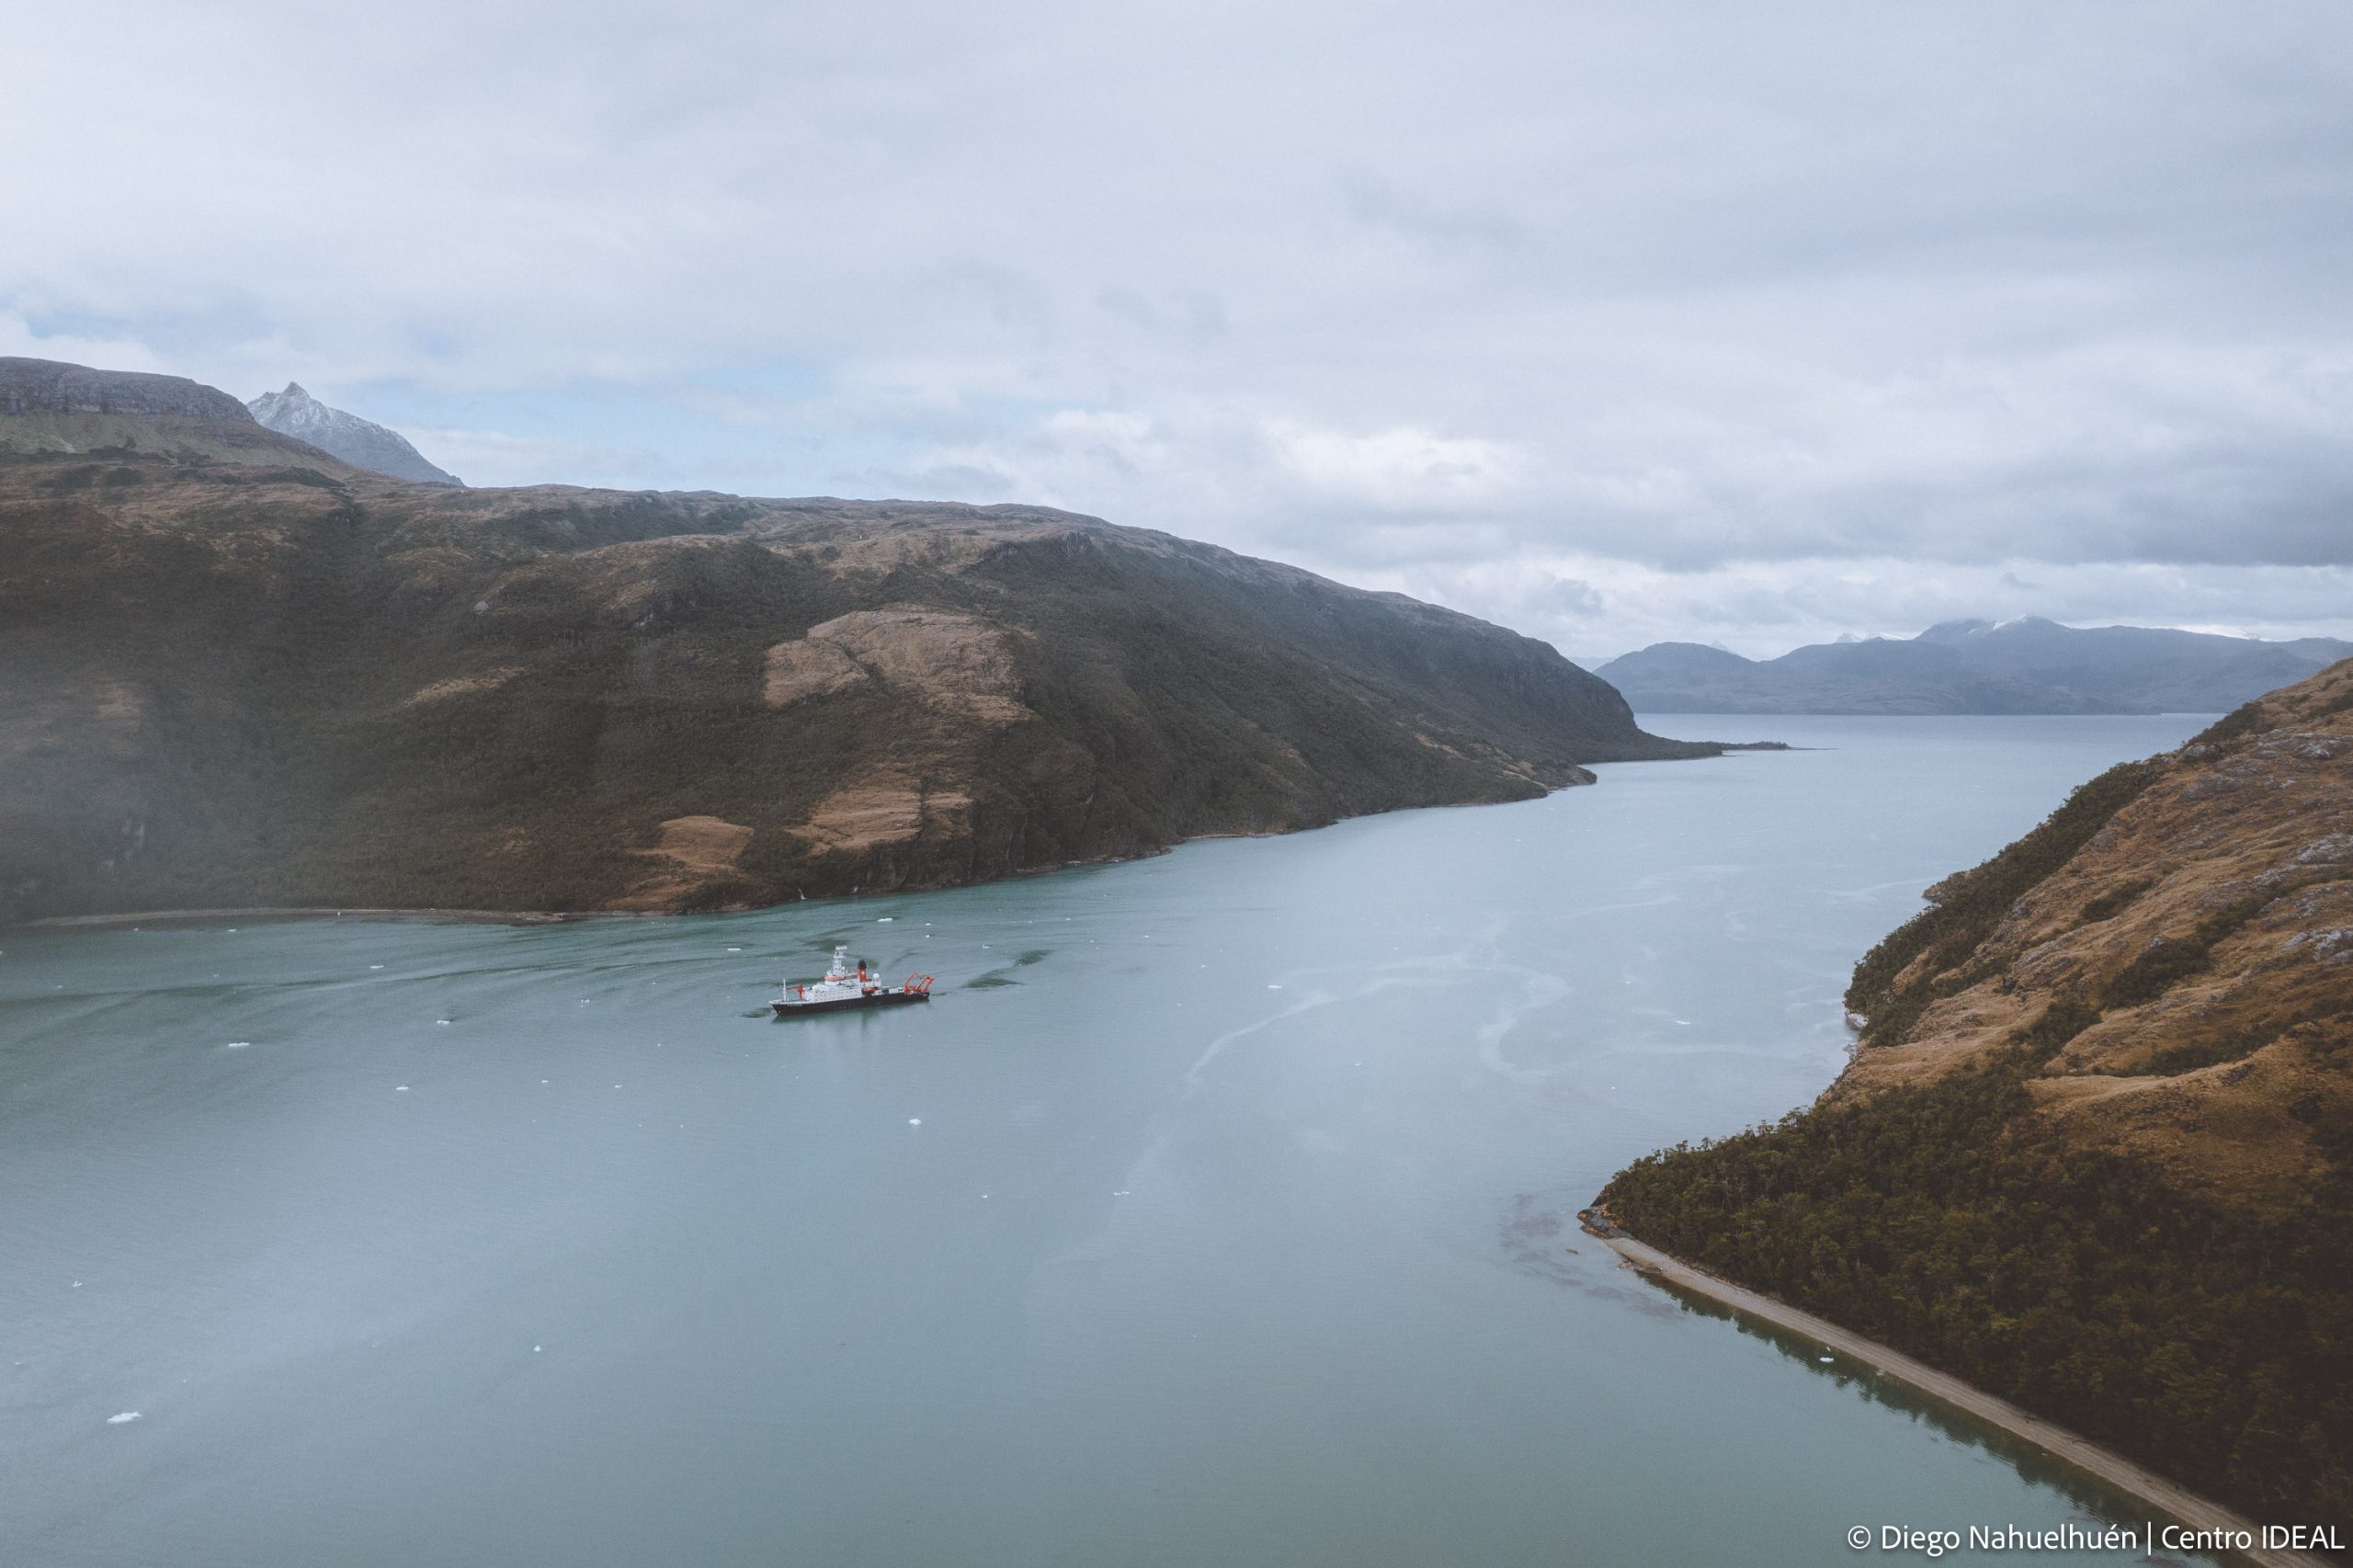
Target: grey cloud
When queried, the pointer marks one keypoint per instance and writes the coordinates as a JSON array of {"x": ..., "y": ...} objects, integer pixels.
[
  {"x": 1711, "y": 309},
  {"x": 1377, "y": 201}
]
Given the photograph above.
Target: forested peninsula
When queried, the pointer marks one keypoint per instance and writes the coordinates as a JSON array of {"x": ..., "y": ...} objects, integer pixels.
[{"x": 2094, "y": 1153}]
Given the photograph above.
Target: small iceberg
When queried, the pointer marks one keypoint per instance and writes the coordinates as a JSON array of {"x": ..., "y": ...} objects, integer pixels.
[{"x": 119, "y": 1420}]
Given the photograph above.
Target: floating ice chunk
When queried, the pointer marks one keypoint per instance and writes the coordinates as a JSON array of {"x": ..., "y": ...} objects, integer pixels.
[
  {"x": 401, "y": 1089},
  {"x": 1826, "y": 1361},
  {"x": 885, "y": 919},
  {"x": 535, "y": 1350},
  {"x": 442, "y": 1022},
  {"x": 77, "y": 1284},
  {"x": 1271, "y": 986},
  {"x": 237, "y": 1045},
  {"x": 375, "y": 966},
  {"x": 914, "y": 1121},
  {"x": 119, "y": 1420}
]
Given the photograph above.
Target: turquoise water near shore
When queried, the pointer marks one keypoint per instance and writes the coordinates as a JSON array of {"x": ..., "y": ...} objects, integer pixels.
[{"x": 1217, "y": 1210}]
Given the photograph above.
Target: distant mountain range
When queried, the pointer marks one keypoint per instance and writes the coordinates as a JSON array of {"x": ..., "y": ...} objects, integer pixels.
[
  {"x": 362, "y": 443},
  {"x": 2029, "y": 665},
  {"x": 237, "y": 671}
]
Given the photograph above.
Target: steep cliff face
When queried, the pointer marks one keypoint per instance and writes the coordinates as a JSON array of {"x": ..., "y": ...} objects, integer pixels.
[
  {"x": 2096, "y": 1149},
  {"x": 223, "y": 684}
]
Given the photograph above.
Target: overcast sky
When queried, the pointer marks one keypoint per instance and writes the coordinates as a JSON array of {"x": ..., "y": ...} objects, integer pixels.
[{"x": 1736, "y": 323}]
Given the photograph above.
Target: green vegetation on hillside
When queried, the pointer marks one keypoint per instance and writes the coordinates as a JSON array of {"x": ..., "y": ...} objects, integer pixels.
[
  {"x": 2213, "y": 1344},
  {"x": 1891, "y": 987}
]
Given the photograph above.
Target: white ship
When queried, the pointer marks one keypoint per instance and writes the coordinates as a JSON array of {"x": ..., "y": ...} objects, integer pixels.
[{"x": 844, "y": 987}]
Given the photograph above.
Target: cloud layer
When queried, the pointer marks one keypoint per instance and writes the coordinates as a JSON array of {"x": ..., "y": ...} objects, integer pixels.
[{"x": 1611, "y": 321}]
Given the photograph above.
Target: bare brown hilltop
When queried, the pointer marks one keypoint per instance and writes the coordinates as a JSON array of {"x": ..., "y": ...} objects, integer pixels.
[
  {"x": 235, "y": 672},
  {"x": 2095, "y": 1151}
]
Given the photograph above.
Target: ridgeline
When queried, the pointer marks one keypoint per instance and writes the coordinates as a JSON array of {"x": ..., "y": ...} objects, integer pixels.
[
  {"x": 2029, "y": 665},
  {"x": 236, "y": 671}
]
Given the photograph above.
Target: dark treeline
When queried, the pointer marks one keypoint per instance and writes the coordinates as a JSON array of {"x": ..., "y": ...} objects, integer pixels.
[
  {"x": 1890, "y": 992},
  {"x": 2212, "y": 1344}
]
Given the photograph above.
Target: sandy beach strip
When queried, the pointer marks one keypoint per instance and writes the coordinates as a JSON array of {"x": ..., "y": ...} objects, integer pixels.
[{"x": 2175, "y": 1502}]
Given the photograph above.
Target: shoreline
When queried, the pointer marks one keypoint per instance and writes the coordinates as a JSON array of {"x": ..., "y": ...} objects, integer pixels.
[
  {"x": 323, "y": 911},
  {"x": 2175, "y": 1502},
  {"x": 559, "y": 916}
]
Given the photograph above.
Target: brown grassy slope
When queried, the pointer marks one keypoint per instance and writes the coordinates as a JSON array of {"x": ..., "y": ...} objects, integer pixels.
[
  {"x": 225, "y": 684},
  {"x": 2209, "y": 923}
]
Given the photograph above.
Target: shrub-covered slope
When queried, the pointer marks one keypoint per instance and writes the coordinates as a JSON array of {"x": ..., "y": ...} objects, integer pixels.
[
  {"x": 284, "y": 682},
  {"x": 2096, "y": 1151}
]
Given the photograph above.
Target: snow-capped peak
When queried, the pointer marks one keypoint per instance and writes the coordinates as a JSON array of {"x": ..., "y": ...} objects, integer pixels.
[{"x": 362, "y": 443}]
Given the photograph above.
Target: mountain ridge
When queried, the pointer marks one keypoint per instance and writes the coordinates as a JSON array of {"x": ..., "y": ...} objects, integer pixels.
[
  {"x": 49, "y": 406},
  {"x": 362, "y": 443},
  {"x": 272, "y": 679},
  {"x": 2026, "y": 666}
]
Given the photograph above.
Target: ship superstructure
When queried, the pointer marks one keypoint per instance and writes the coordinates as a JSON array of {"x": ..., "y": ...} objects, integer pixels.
[{"x": 847, "y": 985}]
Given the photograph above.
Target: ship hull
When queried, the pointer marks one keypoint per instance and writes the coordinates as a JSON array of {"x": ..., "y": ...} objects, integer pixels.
[{"x": 787, "y": 1008}]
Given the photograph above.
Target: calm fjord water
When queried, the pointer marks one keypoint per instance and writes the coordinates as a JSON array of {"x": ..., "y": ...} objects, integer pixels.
[{"x": 1217, "y": 1210}]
